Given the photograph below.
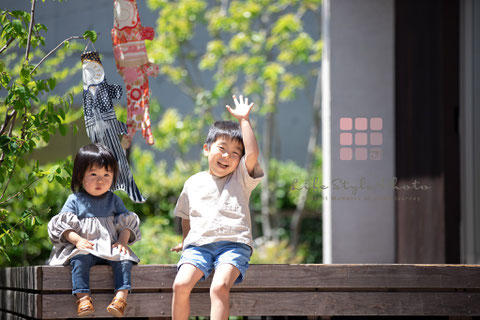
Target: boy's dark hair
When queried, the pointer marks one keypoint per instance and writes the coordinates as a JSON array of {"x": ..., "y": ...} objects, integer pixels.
[
  {"x": 224, "y": 129},
  {"x": 89, "y": 155}
]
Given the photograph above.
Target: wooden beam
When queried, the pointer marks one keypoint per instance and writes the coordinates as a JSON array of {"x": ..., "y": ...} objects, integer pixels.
[
  {"x": 284, "y": 304},
  {"x": 21, "y": 303},
  {"x": 320, "y": 277},
  {"x": 21, "y": 278},
  {"x": 10, "y": 316},
  {"x": 44, "y": 292}
]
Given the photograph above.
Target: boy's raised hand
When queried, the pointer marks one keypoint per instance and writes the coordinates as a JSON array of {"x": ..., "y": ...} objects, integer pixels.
[{"x": 242, "y": 108}]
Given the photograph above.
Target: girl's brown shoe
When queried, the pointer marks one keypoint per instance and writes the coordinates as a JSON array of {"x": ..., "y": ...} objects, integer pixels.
[
  {"x": 117, "y": 307},
  {"x": 85, "y": 306}
]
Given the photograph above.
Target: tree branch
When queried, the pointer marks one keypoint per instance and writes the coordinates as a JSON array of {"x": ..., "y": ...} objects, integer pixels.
[
  {"x": 30, "y": 28},
  {"x": 16, "y": 194},
  {"x": 55, "y": 49},
  {"x": 7, "y": 120},
  {"x": 6, "y": 45},
  {"x": 297, "y": 216},
  {"x": 12, "y": 116}
]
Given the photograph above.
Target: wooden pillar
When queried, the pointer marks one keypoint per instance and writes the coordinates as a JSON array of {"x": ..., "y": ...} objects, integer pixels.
[{"x": 427, "y": 139}]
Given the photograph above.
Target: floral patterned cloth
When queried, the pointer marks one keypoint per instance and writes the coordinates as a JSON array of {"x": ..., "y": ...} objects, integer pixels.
[{"x": 132, "y": 63}]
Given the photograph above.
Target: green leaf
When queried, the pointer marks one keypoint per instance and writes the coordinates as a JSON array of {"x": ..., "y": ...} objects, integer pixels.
[
  {"x": 21, "y": 163},
  {"x": 90, "y": 34},
  {"x": 17, "y": 26},
  {"x": 51, "y": 83},
  {"x": 45, "y": 136},
  {"x": 63, "y": 129}
]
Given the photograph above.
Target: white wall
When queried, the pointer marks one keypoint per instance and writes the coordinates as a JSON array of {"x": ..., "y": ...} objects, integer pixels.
[{"x": 358, "y": 82}]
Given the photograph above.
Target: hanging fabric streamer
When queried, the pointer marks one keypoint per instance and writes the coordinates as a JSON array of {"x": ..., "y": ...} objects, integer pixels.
[
  {"x": 131, "y": 58},
  {"x": 101, "y": 121}
]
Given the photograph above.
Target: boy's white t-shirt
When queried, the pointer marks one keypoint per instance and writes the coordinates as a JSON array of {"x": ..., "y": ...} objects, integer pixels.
[{"x": 218, "y": 207}]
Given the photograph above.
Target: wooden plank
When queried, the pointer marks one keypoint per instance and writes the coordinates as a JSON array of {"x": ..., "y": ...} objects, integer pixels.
[
  {"x": 21, "y": 303},
  {"x": 10, "y": 316},
  {"x": 321, "y": 277},
  {"x": 28, "y": 278},
  {"x": 285, "y": 304}
]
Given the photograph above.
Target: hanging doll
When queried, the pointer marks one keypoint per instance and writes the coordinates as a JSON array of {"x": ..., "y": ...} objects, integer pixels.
[
  {"x": 101, "y": 121},
  {"x": 128, "y": 37}
]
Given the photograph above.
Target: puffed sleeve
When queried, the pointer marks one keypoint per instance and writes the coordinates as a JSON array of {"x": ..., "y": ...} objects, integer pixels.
[
  {"x": 131, "y": 222},
  {"x": 60, "y": 223}
]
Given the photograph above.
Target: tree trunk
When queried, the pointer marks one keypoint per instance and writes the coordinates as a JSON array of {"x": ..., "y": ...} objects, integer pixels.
[
  {"x": 265, "y": 193},
  {"x": 296, "y": 222}
]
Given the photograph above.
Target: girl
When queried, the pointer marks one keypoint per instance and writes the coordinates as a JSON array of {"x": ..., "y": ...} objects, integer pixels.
[{"x": 94, "y": 227}]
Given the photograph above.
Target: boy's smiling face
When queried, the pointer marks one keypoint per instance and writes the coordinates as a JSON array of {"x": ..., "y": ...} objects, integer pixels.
[{"x": 223, "y": 156}]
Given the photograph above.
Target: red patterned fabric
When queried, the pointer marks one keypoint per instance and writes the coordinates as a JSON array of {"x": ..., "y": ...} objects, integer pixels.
[{"x": 132, "y": 63}]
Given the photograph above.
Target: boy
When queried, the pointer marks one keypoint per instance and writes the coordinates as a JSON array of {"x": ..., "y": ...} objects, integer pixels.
[{"x": 215, "y": 216}]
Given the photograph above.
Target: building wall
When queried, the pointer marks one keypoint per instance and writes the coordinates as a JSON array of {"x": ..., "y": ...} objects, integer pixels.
[{"x": 358, "y": 83}]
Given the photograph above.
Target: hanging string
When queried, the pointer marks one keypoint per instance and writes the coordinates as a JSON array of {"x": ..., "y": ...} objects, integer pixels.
[{"x": 89, "y": 43}]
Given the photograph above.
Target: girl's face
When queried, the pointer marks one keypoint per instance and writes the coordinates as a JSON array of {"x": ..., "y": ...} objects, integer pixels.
[{"x": 97, "y": 180}]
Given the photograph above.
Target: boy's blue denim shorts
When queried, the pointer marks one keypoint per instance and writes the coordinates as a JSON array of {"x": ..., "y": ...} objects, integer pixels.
[{"x": 210, "y": 256}]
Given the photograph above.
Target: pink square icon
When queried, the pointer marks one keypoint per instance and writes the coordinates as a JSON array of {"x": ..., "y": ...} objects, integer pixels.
[
  {"x": 376, "y": 139},
  {"x": 376, "y": 124},
  {"x": 345, "y": 139},
  {"x": 376, "y": 153},
  {"x": 345, "y": 153},
  {"x": 361, "y": 123},
  {"x": 361, "y": 154},
  {"x": 360, "y": 139},
  {"x": 345, "y": 123}
]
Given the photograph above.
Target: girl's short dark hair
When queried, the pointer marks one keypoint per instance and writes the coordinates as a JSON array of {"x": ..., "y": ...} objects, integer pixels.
[
  {"x": 89, "y": 155},
  {"x": 224, "y": 129}
]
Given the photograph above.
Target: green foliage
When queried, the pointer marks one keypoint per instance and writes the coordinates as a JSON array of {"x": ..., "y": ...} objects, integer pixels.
[
  {"x": 160, "y": 185},
  {"x": 276, "y": 252},
  {"x": 258, "y": 48},
  {"x": 252, "y": 47},
  {"x": 157, "y": 240},
  {"x": 160, "y": 230},
  {"x": 286, "y": 179},
  {"x": 90, "y": 35},
  {"x": 44, "y": 199},
  {"x": 30, "y": 112}
]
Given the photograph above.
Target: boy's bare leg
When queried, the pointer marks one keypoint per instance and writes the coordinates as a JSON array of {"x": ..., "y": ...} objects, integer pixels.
[
  {"x": 223, "y": 280},
  {"x": 186, "y": 278}
]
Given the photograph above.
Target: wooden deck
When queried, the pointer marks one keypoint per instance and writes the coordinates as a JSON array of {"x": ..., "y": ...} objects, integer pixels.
[{"x": 44, "y": 292}]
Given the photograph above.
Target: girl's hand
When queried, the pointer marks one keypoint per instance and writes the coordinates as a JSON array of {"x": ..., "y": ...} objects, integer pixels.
[
  {"x": 84, "y": 244},
  {"x": 121, "y": 246},
  {"x": 177, "y": 248},
  {"x": 242, "y": 108}
]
